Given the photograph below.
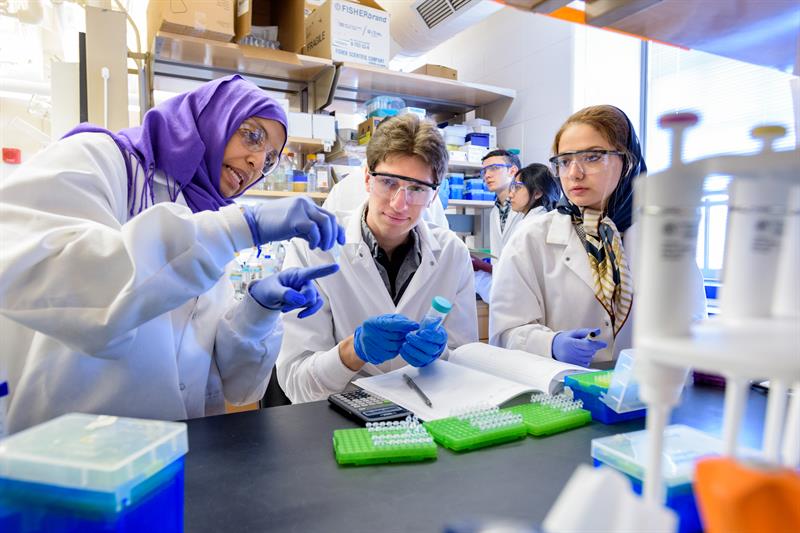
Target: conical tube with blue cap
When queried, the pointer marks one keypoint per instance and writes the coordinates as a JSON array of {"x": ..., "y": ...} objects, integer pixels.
[{"x": 439, "y": 308}]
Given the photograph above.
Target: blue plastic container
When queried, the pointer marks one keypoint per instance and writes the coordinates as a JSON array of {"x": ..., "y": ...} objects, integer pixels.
[
  {"x": 456, "y": 192},
  {"x": 478, "y": 139},
  {"x": 683, "y": 447},
  {"x": 92, "y": 473},
  {"x": 587, "y": 387},
  {"x": 474, "y": 184}
]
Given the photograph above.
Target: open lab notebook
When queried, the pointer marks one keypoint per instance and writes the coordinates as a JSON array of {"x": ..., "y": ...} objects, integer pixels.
[{"x": 475, "y": 373}]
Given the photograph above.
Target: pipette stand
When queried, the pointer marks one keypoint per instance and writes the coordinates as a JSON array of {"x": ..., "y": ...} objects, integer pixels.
[{"x": 748, "y": 340}]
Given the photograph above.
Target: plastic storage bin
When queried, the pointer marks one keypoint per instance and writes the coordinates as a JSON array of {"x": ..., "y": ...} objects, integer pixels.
[
  {"x": 478, "y": 139},
  {"x": 456, "y": 192},
  {"x": 93, "y": 473},
  {"x": 683, "y": 447},
  {"x": 387, "y": 105}
]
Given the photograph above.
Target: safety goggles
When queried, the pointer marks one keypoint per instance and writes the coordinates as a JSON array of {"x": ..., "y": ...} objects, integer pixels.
[
  {"x": 254, "y": 138},
  {"x": 388, "y": 185},
  {"x": 588, "y": 161},
  {"x": 514, "y": 186},
  {"x": 491, "y": 168}
]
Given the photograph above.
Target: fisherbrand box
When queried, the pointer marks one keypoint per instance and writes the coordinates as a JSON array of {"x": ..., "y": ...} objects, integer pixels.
[{"x": 356, "y": 32}]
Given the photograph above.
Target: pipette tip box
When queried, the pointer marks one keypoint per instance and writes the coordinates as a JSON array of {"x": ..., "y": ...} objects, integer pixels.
[
  {"x": 589, "y": 388},
  {"x": 683, "y": 447},
  {"x": 91, "y": 473}
]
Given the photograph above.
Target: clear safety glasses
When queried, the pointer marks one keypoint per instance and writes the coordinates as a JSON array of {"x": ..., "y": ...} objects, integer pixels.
[
  {"x": 254, "y": 138},
  {"x": 514, "y": 186},
  {"x": 491, "y": 168},
  {"x": 588, "y": 161},
  {"x": 388, "y": 185}
]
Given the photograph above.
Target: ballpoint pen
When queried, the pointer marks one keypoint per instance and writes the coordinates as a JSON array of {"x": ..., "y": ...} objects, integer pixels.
[{"x": 410, "y": 382}]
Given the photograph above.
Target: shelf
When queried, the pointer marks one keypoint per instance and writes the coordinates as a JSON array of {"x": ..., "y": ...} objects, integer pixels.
[
  {"x": 464, "y": 165},
  {"x": 304, "y": 145},
  {"x": 359, "y": 83},
  {"x": 478, "y": 204},
  {"x": 286, "y": 194},
  {"x": 183, "y": 56}
]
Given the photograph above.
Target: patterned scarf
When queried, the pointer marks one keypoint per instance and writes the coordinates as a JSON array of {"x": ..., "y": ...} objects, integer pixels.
[{"x": 613, "y": 286}]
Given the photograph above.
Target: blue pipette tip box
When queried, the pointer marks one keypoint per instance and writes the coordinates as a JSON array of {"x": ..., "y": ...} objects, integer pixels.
[
  {"x": 683, "y": 447},
  {"x": 93, "y": 473}
]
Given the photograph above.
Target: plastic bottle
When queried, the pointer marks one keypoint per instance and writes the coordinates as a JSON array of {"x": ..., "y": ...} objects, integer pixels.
[
  {"x": 323, "y": 174},
  {"x": 311, "y": 171},
  {"x": 439, "y": 308}
]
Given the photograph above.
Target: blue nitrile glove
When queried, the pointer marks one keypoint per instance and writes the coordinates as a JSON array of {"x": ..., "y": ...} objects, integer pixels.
[
  {"x": 424, "y": 346},
  {"x": 574, "y": 346},
  {"x": 280, "y": 220},
  {"x": 379, "y": 338},
  {"x": 292, "y": 288}
]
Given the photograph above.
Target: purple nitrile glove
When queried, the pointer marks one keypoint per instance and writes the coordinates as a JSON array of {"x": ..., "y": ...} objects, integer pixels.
[
  {"x": 575, "y": 346},
  {"x": 291, "y": 289},
  {"x": 280, "y": 220}
]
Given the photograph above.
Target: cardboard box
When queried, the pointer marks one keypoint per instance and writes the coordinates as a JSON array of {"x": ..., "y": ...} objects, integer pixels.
[
  {"x": 210, "y": 19},
  {"x": 356, "y": 32},
  {"x": 323, "y": 127},
  {"x": 300, "y": 125},
  {"x": 368, "y": 126},
  {"x": 437, "y": 70},
  {"x": 287, "y": 15}
]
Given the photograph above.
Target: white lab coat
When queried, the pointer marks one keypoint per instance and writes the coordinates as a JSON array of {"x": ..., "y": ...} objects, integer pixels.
[
  {"x": 309, "y": 367},
  {"x": 349, "y": 193},
  {"x": 104, "y": 314},
  {"x": 543, "y": 284},
  {"x": 497, "y": 241}
]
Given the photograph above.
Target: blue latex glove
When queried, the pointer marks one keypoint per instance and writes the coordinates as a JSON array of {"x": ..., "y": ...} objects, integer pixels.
[
  {"x": 574, "y": 346},
  {"x": 424, "y": 346},
  {"x": 379, "y": 338},
  {"x": 292, "y": 288},
  {"x": 280, "y": 220}
]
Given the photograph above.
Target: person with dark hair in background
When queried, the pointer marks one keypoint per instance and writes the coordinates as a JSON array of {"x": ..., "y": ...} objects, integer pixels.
[
  {"x": 533, "y": 190},
  {"x": 498, "y": 169},
  {"x": 564, "y": 288}
]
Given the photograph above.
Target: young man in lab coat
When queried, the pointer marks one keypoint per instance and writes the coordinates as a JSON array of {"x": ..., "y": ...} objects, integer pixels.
[
  {"x": 391, "y": 266},
  {"x": 498, "y": 169}
]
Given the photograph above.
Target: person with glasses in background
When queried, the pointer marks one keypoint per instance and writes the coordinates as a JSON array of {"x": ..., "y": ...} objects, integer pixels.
[
  {"x": 392, "y": 265},
  {"x": 533, "y": 191},
  {"x": 498, "y": 170},
  {"x": 114, "y": 297},
  {"x": 564, "y": 288}
]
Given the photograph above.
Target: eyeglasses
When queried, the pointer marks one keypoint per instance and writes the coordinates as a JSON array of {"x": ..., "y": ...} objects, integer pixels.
[
  {"x": 589, "y": 161},
  {"x": 492, "y": 168},
  {"x": 514, "y": 186},
  {"x": 388, "y": 185},
  {"x": 254, "y": 138}
]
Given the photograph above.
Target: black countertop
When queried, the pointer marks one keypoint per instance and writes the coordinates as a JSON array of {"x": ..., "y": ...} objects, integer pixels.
[{"x": 274, "y": 470}]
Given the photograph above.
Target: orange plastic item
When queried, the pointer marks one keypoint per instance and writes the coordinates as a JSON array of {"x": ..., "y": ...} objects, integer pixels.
[{"x": 732, "y": 496}]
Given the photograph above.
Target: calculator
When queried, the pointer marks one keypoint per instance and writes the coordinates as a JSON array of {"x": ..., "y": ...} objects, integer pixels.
[{"x": 365, "y": 407}]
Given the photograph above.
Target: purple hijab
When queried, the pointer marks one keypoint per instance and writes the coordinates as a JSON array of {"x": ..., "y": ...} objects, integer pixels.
[{"x": 185, "y": 137}]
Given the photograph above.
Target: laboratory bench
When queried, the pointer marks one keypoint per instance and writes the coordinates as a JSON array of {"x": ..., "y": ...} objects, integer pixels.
[{"x": 274, "y": 470}]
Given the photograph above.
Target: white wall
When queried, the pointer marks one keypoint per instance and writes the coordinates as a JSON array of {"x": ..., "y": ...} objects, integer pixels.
[{"x": 549, "y": 63}]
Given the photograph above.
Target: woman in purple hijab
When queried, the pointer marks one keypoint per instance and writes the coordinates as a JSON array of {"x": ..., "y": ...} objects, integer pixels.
[{"x": 114, "y": 297}]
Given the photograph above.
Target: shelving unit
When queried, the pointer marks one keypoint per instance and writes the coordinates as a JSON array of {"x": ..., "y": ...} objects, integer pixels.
[
  {"x": 464, "y": 165},
  {"x": 316, "y": 196},
  {"x": 304, "y": 145},
  {"x": 477, "y": 204}
]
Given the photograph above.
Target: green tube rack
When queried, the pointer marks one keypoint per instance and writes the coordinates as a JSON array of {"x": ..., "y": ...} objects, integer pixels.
[
  {"x": 541, "y": 419},
  {"x": 355, "y": 446},
  {"x": 459, "y": 435}
]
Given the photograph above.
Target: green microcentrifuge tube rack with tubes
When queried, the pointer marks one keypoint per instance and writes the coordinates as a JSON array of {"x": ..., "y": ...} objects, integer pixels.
[
  {"x": 384, "y": 442},
  {"x": 476, "y": 428},
  {"x": 547, "y": 415}
]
